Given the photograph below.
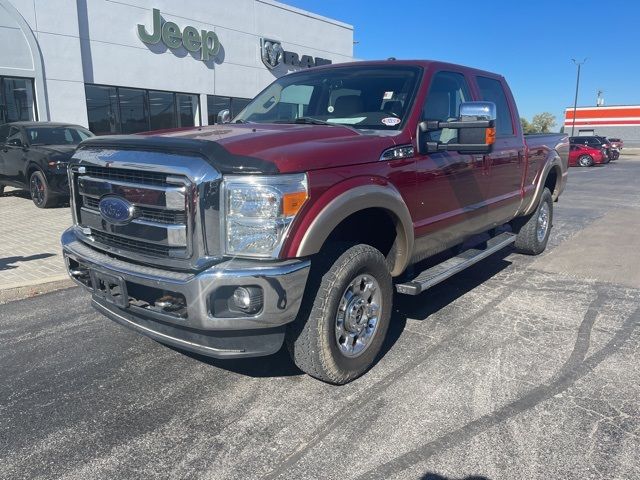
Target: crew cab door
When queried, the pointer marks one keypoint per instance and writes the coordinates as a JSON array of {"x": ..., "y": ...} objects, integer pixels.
[
  {"x": 507, "y": 162},
  {"x": 452, "y": 187}
]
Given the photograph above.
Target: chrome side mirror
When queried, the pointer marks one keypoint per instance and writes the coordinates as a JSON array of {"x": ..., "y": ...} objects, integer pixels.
[
  {"x": 474, "y": 111},
  {"x": 476, "y": 126},
  {"x": 224, "y": 116}
]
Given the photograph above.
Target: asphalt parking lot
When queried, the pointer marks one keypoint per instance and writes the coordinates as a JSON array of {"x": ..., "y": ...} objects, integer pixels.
[{"x": 519, "y": 368}]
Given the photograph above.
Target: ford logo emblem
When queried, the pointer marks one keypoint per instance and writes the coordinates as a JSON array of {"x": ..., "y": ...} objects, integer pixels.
[{"x": 116, "y": 210}]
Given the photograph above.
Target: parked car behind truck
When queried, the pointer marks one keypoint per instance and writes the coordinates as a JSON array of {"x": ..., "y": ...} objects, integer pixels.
[
  {"x": 295, "y": 222},
  {"x": 34, "y": 156}
]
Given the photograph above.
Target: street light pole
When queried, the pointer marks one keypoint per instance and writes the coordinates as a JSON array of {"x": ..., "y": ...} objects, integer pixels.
[{"x": 575, "y": 100}]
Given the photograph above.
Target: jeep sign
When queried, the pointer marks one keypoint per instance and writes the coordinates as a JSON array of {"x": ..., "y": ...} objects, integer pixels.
[{"x": 206, "y": 42}]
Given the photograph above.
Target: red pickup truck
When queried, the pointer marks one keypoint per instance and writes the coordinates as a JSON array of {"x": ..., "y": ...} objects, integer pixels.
[{"x": 295, "y": 222}]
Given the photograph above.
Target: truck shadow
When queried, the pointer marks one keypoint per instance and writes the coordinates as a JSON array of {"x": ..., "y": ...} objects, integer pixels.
[
  {"x": 276, "y": 365},
  {"x": 419, "y": 308}
]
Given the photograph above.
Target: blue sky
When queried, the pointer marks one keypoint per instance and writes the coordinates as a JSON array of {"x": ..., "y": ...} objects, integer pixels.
[{"x": 530, "y": 43}]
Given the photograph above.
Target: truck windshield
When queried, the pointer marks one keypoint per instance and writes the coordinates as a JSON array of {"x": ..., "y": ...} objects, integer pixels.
[{"x": 374, "y": 97}]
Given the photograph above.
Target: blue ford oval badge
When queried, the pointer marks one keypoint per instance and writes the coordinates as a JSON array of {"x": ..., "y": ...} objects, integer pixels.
[{"x": 116, "y": 210}]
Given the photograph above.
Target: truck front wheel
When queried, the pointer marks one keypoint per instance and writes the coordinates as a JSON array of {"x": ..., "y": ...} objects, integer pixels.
[
  {"x": 533, "y": 231},
  {"x": 345, "y": 314}
]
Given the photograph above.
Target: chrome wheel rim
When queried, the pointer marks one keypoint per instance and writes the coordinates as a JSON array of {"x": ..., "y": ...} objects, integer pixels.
[
  {"x": 37, "y": 189},
  {"x": 358, "y": 315},
  {"x": 584, "y": 161},
  {"x": 543, "y": 221}
]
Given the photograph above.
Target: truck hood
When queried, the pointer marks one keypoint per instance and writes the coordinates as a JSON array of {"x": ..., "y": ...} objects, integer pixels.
[{"x": 261, "y": 148}]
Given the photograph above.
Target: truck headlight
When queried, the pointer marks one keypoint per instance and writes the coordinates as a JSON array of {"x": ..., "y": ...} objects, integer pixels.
[{"x": 258, "y": 211}]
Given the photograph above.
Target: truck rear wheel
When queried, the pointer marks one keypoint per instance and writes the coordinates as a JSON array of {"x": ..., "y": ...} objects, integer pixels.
[
  {"x": 533, "y": 231},
  {"x": 345, "y": 314}
]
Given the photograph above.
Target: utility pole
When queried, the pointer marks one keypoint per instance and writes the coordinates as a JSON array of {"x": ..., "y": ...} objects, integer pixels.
[{"x": 575, "y": 100}]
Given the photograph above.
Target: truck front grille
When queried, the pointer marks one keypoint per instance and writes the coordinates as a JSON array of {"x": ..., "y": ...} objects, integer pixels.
[
  {"x": 170, "y": 217},
  {"x": 144, "y": 248},
  {"x": 173, "y": 200},
  {"x": 129, "y": 176}
]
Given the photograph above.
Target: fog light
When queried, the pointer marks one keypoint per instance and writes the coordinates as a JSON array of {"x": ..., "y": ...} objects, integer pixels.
[{"x": 248, "y": 299}]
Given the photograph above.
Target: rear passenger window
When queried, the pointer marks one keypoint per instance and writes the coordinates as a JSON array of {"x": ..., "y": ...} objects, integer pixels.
[
  {"x": 447, "y": 91},
  {"x": 491, "y": 91}
]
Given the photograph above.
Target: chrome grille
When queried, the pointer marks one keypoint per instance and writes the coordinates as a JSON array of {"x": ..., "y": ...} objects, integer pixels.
[
  {"x": 170, "y": 217},
  {"x": 175, "y": 200},
  {"x": 137, "y": 246},
  {"x": 129, "y": 176}
]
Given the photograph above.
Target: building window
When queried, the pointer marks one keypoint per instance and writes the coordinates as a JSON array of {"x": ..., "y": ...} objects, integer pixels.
[
  {"x": 187, "y": 108},
  {"x": 102, "y": 109},
  {"x": 16, "y": 100},
  {"x": 216, "y": 103},
  {"x": 114, "y": 110},
  {"x": 162, "y": 107},
  {"x": 134, "y": 115}
]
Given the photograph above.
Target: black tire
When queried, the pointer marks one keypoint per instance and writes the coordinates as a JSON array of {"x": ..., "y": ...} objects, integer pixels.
[
  {"x": 1, "y": 189},
  {"x": 585, "y": 160},
  {"x": 528, "y": 240},
  {"x": 615, "y": 155},
  {"x": 315, "y": 340},
  {"x": 40, "y": 191}
]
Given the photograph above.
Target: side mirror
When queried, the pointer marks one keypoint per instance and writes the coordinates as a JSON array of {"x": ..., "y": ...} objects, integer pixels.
[
  {"x": 475, "y": 126},
  {"x": 14, "y": 142},
  {"x": 224, "y": 116}
]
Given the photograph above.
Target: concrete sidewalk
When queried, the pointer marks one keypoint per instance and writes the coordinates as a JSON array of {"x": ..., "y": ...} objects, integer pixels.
[{"x": 30, "y": 255}]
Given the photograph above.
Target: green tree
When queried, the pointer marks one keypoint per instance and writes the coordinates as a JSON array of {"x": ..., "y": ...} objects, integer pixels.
[
  {"x": 526, "y": 126},
  {"x": 543, "y": 122}
]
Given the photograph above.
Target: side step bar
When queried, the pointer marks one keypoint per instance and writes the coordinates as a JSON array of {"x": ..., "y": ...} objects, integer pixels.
[{"x": 446, "y": 269}]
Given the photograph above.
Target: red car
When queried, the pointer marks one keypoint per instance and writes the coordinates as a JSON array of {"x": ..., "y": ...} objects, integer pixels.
[
  {"x": 616, "y": 143},
  {"x": 585, "y": 156}
]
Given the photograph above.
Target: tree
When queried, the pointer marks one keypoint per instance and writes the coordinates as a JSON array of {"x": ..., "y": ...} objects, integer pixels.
[
  {"x": 543, "y": 122},
  {"x": 526, "y": 126}
]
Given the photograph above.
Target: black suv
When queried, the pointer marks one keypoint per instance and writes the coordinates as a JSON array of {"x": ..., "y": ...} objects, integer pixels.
[
  {"x": 595, "y": 142},
  {"x": 34, "y": 156}
]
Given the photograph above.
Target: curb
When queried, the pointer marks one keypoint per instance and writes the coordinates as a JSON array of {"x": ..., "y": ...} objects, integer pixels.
[{"x": 14, "y": 292}]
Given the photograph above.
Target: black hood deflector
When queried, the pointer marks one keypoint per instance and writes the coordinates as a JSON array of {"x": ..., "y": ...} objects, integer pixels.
[{"x": 212, "y": 152}]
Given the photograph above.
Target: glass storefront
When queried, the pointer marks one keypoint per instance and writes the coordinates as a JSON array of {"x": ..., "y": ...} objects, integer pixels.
[
  {"x": 215, "y": 103},
  {"x": 113, "y": 110},
  {"x": 16, "y": 100}
]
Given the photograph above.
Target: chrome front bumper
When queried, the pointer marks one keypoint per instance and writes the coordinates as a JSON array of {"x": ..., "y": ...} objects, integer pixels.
[{"x": 205, "y": 328}]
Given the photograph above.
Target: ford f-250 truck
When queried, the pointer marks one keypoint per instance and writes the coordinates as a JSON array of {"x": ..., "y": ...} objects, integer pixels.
[{"x": 294, "y": 222}]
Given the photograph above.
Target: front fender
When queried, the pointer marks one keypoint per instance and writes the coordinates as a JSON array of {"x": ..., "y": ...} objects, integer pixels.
[{"x": 347, "y": 198}]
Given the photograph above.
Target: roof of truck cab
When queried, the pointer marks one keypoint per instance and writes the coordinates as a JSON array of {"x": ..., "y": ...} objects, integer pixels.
[{"x": 407, "y": 63}]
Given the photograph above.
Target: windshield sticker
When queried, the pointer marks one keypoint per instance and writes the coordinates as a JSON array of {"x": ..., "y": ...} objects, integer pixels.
[
  {"x": 390, "y": 121},
  {"x": 346, "y": 121},
  {"x": 387, "y": 96},
  {"x": 330, "y": 109}
]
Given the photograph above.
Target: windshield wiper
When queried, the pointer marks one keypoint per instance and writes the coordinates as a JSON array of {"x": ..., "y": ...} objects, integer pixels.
[{"x": 304, "y": 121}]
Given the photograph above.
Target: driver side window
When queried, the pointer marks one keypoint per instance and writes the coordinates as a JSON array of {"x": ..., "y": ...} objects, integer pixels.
[
  {"x": 14, "y": 134},
  {"x": 447, "y": 91}
]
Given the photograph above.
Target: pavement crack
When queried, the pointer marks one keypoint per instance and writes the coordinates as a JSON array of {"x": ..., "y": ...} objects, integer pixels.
[
  {"x": 576, "y": 367},
  {"x": 373, "y": 392}
]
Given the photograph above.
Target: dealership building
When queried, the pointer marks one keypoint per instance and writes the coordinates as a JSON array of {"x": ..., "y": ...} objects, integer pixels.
[
  {"x": 616, "y": 121},
  {"x": 126, "y": 66}
]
